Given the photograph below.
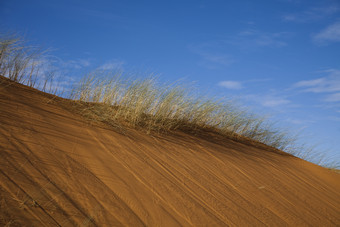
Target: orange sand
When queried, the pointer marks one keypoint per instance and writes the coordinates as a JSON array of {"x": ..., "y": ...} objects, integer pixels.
[{"x": 56, "y": 169}]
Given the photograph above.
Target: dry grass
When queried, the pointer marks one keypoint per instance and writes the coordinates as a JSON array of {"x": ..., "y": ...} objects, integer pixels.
[
  {"x": 19, "y": 62},
  {"x": 26, "y": 64},
  {"x": 116, "y": 98},
  {"x": 145, "y": 103}
]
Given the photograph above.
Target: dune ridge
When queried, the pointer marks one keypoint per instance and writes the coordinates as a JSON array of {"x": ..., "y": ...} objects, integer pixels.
[{"x": 57, "y": 169}]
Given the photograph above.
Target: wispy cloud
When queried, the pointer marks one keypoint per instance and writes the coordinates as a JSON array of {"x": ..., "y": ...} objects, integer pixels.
[
  {"x": 310, "y": 83},
  {"x": 234, "y": 85},
  {"x": 78, "y": 64},
  {"x": 111, "y": 65},
  {"x": 214, "y": 53},
  {"x": 327, "y": 84},
  {"x": 334, "y": 118},
  {"x": 333, "y": 97},
  {"x": 329, "y": 34},
  {"x": 210, "y": 57},
  {"x": 218, "y": 58},
  {"x": 268, "y": 100},
  {"x": 311, "y": 14},
  {"x": 272, "y": 101},
  {"x": 70, "y": 64},
  {"x": 299, "y": 121},
  {"x": 262, "y": 39}
]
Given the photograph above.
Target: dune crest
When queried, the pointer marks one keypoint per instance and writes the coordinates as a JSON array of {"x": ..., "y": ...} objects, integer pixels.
[{"x": 56, "y": 169}]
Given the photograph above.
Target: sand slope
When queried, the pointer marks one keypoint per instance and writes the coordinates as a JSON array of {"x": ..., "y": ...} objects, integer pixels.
[{"x": 58, "y": 170}]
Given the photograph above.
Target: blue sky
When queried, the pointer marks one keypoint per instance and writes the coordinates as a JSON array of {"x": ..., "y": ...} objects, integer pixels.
[{"x": 279, "y": 57}]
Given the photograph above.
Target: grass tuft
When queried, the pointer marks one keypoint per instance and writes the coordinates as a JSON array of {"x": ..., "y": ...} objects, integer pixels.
[{"x": 160, "y": 107}]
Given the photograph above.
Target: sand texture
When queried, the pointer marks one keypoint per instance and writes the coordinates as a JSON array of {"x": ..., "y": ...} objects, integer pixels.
[{"x": 57, "y": 169}]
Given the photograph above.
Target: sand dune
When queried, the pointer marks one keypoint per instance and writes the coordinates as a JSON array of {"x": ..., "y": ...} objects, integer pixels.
[{"x": 57, "y": 169}]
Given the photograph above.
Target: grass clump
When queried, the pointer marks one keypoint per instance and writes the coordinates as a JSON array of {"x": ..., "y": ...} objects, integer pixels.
[
  {"x": 146, "y": 103},
  {"x": 26, "y": 64},
  {"x": 19, "y": 62}
]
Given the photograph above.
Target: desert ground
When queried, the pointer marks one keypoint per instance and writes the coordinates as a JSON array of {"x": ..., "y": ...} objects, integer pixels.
[{"x": 59, "y": 169}]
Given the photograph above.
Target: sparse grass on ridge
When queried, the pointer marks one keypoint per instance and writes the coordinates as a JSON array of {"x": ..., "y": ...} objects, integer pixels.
[
  {"x": 19, "y": 62},
  {"x": 145, "y": 103},
  {"x": 26, "y": 64},
  {"x": 161, "y": 107}
]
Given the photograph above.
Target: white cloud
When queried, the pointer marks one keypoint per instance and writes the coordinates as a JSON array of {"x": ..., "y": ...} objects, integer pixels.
[
  {"x": 289, "y": 17},
  {"x": 333, "y": 97},
  {"x": 234, "y": 85},
  {"x": 333, "y": 118},
  {"x": 72, "y": 64},
  {"x": 84, "y": 62},
  {"x": 299, "y": 121},
  {"x": 211, "y": 56},
  {"x": 213, "y": 53},
  {"x": 273, "y": 101},
  {"x": 268, "y": 100},
  {"x": 113, "y": 64},
  {"x": 262, "y": 39},
  {"x": 328, "y": 84},
  {"x": 312, "y": 14},
  {"x": 220, "y": 59},
  {"x": 310, "y": 83},
  {"x": 329, "y": 34}
]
